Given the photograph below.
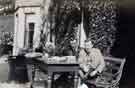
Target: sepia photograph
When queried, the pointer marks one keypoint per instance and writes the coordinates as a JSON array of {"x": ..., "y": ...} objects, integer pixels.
[{"x": 67, "y": 43}]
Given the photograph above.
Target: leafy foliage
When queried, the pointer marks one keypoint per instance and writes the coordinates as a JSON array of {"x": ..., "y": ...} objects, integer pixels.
[
  {"x": 6, "y": 42},
  {"x": 7, "y": 7},
  {"x": 6, "y": 38},
  {"x": 99, "y": 22},
  {"x": 102, "y": 24}
]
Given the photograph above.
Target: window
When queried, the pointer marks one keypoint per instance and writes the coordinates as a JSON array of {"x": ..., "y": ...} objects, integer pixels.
[{"x": 29, "y": 35}]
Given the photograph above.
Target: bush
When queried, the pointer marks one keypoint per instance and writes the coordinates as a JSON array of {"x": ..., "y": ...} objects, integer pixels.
[{"x": 6, "y": 42}]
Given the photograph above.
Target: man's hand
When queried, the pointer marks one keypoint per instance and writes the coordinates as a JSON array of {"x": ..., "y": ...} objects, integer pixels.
[{"x": 93, "y": 73}]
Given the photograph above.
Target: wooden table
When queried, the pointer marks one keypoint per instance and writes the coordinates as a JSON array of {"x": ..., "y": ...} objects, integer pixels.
[
  {"x": 52, "y": 68},
  {"x": 62, "y": 68}
]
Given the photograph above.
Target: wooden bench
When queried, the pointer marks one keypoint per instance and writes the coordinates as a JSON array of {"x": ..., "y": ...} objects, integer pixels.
[{"x": 111, "y": 74}]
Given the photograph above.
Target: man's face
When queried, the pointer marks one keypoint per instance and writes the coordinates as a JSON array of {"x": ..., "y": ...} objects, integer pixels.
[
  {"x": 50, "y": 48},
  {"x": 88, "y": 47},
  {"x": 73, "y": 43}
]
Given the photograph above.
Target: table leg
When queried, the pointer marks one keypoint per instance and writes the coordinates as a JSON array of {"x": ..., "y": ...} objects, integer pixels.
[
  {"x": 31, "y": 74},
  {"x": 49, "y": 80},
  {"x": 76, "y": 80}
]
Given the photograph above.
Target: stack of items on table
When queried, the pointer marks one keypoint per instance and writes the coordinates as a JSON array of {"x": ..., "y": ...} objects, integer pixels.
[
  {"x": 53, "y": 59},
  {"x": 61, "y": 60}
]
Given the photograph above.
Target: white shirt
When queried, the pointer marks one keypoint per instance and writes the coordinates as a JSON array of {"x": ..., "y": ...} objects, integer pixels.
[{"x": 93, "y": 60}]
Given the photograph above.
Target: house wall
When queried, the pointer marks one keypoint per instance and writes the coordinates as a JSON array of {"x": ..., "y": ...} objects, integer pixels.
[
  {"x": 7, "y": 23},
  {"x": 20, "y": 26},
  {"x": 28, "y": 2}
]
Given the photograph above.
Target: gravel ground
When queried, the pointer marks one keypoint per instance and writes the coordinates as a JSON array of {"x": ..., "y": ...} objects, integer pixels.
[
  {"x": 4, "y": 73},
  {"x": 4, "y": 69},
  {"x": 14, "y": 85}
]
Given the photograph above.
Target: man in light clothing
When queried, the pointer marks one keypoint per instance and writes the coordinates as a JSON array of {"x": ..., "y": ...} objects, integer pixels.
[{"x": 91, "y": 61}]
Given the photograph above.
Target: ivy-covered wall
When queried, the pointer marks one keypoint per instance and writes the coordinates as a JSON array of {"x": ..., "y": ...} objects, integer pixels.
[
  {"x": 99, "y": 21},
  {"x": 102, "y": 24}
]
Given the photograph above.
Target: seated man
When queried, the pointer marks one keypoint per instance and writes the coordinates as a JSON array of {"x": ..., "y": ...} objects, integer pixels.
[
  {"x": 74, "y": 47},
  {"x": 49, "y": 49},
  {"x": 18, "y": 71},
  {"x": 70, "y": 49},
  {"x": 91, "y": 61},
  {"x": 66, "y": 79}
]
